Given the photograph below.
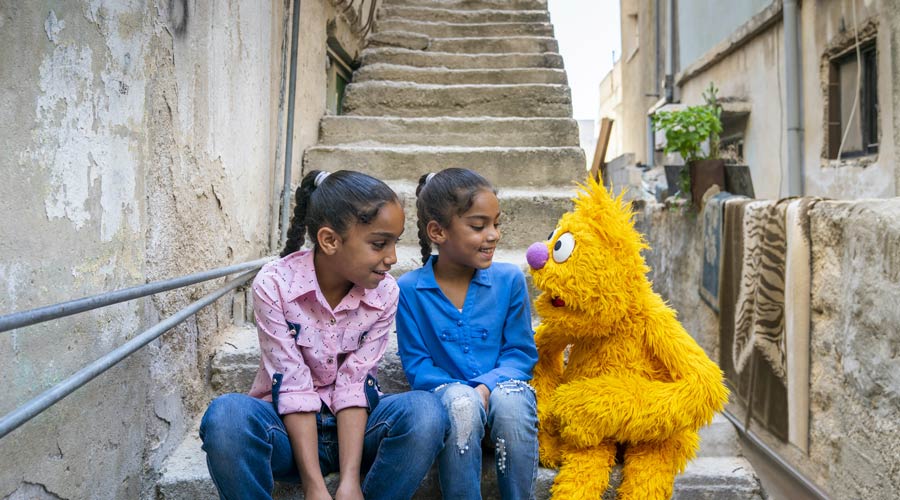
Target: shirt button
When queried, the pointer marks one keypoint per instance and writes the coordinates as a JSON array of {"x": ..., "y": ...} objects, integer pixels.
[
  {"x": 466, "y": 349},
  {"x": 331, "y": 321},
  {"x": 484, "y": 336},
  {"x": 459, "y": 323},
  {"x": 330, "y": 361}
]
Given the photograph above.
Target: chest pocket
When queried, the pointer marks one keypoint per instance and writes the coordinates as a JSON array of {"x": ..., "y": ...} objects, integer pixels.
[
  {"x": 303, "y": 335},
  {"x": 478, "y": 333},
  {"x": 352, "y": 340},
  {"x": 449, "y": 335}
]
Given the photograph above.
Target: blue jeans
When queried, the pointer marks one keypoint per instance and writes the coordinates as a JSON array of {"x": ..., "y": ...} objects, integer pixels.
[
  {"x": 512, "y": 419},
  {"x": 247, "y": 447}
]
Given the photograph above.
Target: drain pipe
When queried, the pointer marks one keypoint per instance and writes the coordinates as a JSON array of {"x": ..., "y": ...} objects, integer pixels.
[
  {"x": 670, "y": 53},
  {"x": 289, "y": 141},
  {"x": 792, "y": 84}
]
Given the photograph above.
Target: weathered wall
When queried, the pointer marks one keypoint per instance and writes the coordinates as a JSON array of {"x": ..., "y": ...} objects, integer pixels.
[
  {"x": 138, "y": 145},
  {"x": 855, "y": 370},
  {"x": 822, "y": 25},
  {"x": 855, "y": 335},
  {"x": 891, "y": 23},
  {"x": 704, "y": 23},
  {"x": 738, "y": 77},
  {"x": 675, "y": 236},
  {"x": 611, "y": 107},
  {"x": 639, "y": 69},
  {"x": 754, "y": 72}
]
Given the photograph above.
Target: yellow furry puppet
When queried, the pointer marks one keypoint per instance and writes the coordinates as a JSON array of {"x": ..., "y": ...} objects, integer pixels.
[{"x": 633, "y": 376}]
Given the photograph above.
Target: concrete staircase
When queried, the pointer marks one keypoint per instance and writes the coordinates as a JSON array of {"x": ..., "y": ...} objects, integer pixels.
[{"x": 457, "y": 83}]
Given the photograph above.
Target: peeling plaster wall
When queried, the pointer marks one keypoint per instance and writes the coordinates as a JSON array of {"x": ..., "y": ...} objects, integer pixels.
[
  {"x": 137, "y": 146},
  {"x": 855, "y": 335}
]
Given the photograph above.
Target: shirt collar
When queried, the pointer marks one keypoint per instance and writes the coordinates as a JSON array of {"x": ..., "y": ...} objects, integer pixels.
[
  {"x": 427, "y": 280},
  {"x": 304, "y": 281}
]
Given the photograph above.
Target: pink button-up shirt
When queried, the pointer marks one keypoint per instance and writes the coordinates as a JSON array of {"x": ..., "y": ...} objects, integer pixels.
[{"x": 323, "y": 355}]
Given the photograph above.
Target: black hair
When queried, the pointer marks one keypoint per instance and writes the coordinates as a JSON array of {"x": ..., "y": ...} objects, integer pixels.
[
  {"x": 447, "y": 193},
  {"x": 342, "y": 198}
]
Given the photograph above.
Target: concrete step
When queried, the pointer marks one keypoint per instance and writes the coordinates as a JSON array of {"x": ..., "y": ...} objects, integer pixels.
[
  {"x": 416, "y": 100},
  {"x": 495, "y": 45},
  {"x": 471, "y": 4},
  {"x": 529, "y": 215},
  {"x": 463, "y": 16},
  {"x": 234, "y": 365},
  {"x": 444, "y": 76},
  {"x": 184, "y": 476},
  {"x": 503, "y": 167},
  {"x": 439, "y": 29},
  {"x": 419, "y": 58},
  {"x": 398, "y": 39},
  {"x": 718, "y": 478},
  {"x": 474, "y": 132},
  {"x": 719, "y": 439}
]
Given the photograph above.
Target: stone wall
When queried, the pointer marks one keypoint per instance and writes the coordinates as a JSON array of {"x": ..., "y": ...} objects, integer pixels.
[
  {"x": 142, "y": 140},
  {"x": 855, "y": 335}
]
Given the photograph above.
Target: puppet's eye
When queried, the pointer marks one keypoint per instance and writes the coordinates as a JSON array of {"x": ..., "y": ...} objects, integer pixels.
[
  {"x": 563, "y": 247},
  {"x": 552, "y": 234}
]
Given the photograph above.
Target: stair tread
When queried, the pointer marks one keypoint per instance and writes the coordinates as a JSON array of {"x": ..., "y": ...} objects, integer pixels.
[
  {"x": 377, "y": 146},
  {"x": 469, "y": 86},
  {"x": 184, "y": 476},
  {"x": 442, "y": 69},
  {"x": 455, "y": 59}
]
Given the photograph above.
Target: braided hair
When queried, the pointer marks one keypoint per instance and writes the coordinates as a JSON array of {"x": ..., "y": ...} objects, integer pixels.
[
  {"x": 336, "y": 200},
  {"x": 440, "y": 196}
]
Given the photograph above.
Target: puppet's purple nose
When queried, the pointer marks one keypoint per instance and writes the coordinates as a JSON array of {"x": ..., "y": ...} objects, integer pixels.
[{"x": 537, "y": 255}]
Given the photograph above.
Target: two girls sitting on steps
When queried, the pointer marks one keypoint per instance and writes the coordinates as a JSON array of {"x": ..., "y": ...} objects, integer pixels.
[{"x": 323, "y": 317}]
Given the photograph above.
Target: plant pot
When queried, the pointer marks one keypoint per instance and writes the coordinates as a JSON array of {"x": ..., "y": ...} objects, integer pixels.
[
  {"x": 704, "y": 174},
  {"x": 738, "y": 180},
  {"x": 673, "y": 175}
]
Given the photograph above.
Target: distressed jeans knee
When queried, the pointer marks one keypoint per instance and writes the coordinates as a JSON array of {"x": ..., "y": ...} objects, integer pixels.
[{"x": 466, "y": 414}]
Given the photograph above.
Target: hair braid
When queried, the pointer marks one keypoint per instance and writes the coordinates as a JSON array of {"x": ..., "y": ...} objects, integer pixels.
[
  {"x": 422, "y": 221},
  {"x": 297, "y": 229}
]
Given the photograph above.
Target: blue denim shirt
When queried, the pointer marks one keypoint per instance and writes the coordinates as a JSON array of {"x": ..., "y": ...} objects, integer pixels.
[{"x": 489, "y": 342}]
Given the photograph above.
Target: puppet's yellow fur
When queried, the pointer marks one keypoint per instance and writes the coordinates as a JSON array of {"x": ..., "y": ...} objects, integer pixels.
[{"x": 633, "y": 376}]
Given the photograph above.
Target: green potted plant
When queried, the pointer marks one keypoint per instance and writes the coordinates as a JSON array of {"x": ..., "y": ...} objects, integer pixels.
[{"x": 686, "y": 131}]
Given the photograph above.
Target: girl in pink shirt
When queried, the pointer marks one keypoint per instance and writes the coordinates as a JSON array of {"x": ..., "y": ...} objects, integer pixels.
[{"x": 323, "y": 316}]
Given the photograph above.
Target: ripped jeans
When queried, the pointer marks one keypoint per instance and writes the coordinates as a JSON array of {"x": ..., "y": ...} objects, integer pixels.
[{"x": 512, "y": 420}]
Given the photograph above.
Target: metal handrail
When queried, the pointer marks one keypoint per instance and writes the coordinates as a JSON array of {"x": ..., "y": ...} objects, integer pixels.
[
  {"x": 36, "y": 405},
  {"x": 41, "y": 314}
]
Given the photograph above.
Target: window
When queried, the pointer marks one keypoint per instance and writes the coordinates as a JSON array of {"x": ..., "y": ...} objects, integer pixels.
[
  {"x": 862, "y": 127},
  {"x": 340, "y": 73}
]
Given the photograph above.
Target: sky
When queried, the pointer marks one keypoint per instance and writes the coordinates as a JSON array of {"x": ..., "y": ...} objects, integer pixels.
[{"x": 588, "y": 34}]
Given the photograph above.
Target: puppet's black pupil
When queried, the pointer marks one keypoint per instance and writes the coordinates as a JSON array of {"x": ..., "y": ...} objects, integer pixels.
[{"x": 558, "y": 245}]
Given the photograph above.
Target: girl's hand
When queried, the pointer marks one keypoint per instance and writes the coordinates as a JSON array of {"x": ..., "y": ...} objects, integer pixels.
[
  {"x": 485, "y": 396},
  {"x": 349, "y": 490}
]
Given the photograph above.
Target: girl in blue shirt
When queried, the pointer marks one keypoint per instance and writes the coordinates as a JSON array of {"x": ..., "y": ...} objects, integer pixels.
[{"x": 464, "y": 332}]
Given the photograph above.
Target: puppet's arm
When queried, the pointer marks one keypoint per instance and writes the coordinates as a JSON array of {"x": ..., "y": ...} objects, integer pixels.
[{"x": 631, "y": 408}]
